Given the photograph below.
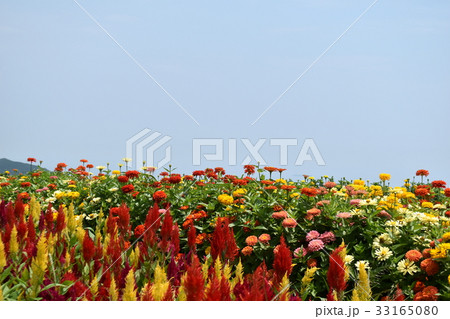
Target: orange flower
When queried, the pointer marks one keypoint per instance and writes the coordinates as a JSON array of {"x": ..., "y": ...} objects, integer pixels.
[
  {"x": 247, "y": 251},
  {"x": 430, "y": 266},
  {"x": 289, "y": 223},
  {"x": 251, "y": 240},
  {"x": 413, "y": 255},
  {"x": 264, "y": 238}
]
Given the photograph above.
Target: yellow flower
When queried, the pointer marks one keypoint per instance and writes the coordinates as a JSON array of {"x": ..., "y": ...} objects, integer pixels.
[
  {"x": 239, "y": 192},
  {"x": 294, "y": 195},
  {"x": 446, "y": 237},
  {"x": 115, "y": 172},
  {"x": 439, "y": 252},
  {"x": 281, "y": 181},
  {"x": 126, "y": 159},
  {"x": 225, "y": 199},
  {"x": 385, "y": 177},
  {"x": 358, "y": 182},
  {"x": 427, "y": 204}
]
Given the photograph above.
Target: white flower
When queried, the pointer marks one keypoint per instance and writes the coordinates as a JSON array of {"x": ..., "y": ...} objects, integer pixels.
[
  {"x": 126, "y": 159},
  {"x": 114, "y": 189},
  {"x": 383, "y": 253},
  {"x": 101, "y": 167},
  {"x": 407, "y": 267},
  {"x": 365, "y": 263},
  {"x": 348, "y": 259},
  {"x": 96, "y": 199}
]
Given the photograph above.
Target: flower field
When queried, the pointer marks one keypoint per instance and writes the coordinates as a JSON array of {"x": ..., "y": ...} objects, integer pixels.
[{"x": 93, "y": 233}]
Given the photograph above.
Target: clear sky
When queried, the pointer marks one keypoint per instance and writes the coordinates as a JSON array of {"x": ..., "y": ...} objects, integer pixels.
[{"x": 377, "y": 101}]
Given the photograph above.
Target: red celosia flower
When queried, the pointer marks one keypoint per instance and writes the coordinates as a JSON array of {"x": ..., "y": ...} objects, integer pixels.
[
  {"x": 282, "y": 263},
  {"x": 194, "y": 283},
  {"x": 192, "y": 236},
  {"x": 159, "y": 196},
  {"x": 336, "y": 273},
  {"x": 175, "y": 239},
  {"x": 166, "y": 230},
  {"x": 438, "y": 184},
  {"x": 422, "y": 172},
  {"x": 60, "y": 220},
  {"x": 122, "y": 179},
  {"x": 124, "y": 219},
  {"x": 430, "y": 266},
  {"x": 88, "y": 247},
  {"x": 152, "y": 222},
  {"x": 223, "y": 243},
  {"x": 132, "y": 174},
  {"x": 127, "y": 188},
  {"x": 414, "y": 255}
]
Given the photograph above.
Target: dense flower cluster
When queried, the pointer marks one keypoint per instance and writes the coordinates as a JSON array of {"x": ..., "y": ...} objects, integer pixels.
[{"x": 130, "y": 235}]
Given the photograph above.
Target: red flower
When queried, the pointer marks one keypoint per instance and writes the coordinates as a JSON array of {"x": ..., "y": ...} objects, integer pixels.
[
  {"x": 88, "y": 247},
  {"x": 192, "y": 236},
  {"x": 194, "y": 283},
  {"x": 223, "y": 243},
  {"x": 264, "y": 238},
  {"x": 413, "y": 255},
  {"x": 427, "y": 294},
  {"x": 422, "y": 191},
  {"x": 166, "y": 230},
  {"x": 289, "y": 223},
  {"x": 90, "y": 166},
  {"x": 122, "y": 179},
  {"x": 139, "y": 230},
  {"x": 61, "y": 165},
  {"x": 249, "y": 169},
  {"x": 174, "y": 179},
  {"x": 198, "y": 173},
  {"x": 282, "y": 264},
  {"x": 159, "y": 196},
  {"x": 310, "y": 192},
  {"x": 430, "y": 266},
  {"x": 287, "y": 187},
  {"x": 247, "y": 250},
  {"x": 270, "y": 169},
  {"x": 132, "y": 174},
  {"x": 25, "y": 184},
  {"x": 438, "y": 184},
  {"x": 336, "y": 272},
  {"x": 31, "y": 159},
  {"x": 251, "y": 240},
  {"x": 447, "y": 192},
  {"x": 127, "y": 188},
  {"x": 422, "y": 172}
]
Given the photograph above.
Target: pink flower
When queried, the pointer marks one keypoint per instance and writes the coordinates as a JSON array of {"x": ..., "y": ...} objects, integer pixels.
[
  {"x": 315, "y": 245},
  {"x": 280, "y": 215},
  {"x": 300, "y": 252},
  {"x": 313, "y": 234},
  {"x": 355, "y": 202},
  {"x": 344, "y": 215},
  {"x": 327, "y": 237},
  {"x": 384, "y": 214},
  {"x": 329, "y": 184},
  {"x": 54, "y": 177}
]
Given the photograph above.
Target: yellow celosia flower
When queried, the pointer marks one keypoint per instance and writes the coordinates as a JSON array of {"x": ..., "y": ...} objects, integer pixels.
[
  {"x": 284, "y": 289},
  {"x": 2, "y": 256},
  {"x": 218, "y": 268},
  {"x": 113, "y": 293},
  {"x": 129, "y": 292},
  {"x": 160, "y": 284},
  {"x": 225, "y": 199},
  {"x": 239, "y": 272},
  {"x": 13, "y": 243},
  {"x": 307, "y": 278},
  {"x": 363, "y": 285},
  {"x": 94, "y": 287}
]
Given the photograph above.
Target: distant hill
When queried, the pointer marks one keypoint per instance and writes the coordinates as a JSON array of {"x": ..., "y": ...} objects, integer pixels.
[{"x": 8, "y": 165}]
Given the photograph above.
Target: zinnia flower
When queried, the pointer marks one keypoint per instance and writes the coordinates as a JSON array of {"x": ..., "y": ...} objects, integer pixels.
[
  {"x": 413, "y": 255},
  {"x": 251, "y": 240},
  {"x": 280, "y": 215},
  {"x": 385, "y": 177},
  {"x": 159, "y": 196},
  {"x": 127, "y": 188},
  {"x": 289, "y": 223},
  {"x": 438, "y": 184},
  {"x": 247, "y": 250},
  {"x": 383, "y": 253},
  {"x": 430, "y": 266},
  {"x": 264, "y": 238},
  {"x": 422, "y": 172},
  {"x": 313, "y": 234},
  {"x": 315, "y": 245},
  {"x": 406, "y": 266}
]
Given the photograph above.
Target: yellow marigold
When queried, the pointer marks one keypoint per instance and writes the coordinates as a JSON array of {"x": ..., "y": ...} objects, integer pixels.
[
  {"x": 358, "y": 182},
  {"x": 438, "y": 253},
  {"x": 427, "y": 204},
  {"x": 385, "y": 177},
  {"x": 446, "y": 237},
  {"x": 239, "y": 192},
  {"x": 225, "y": 199}
]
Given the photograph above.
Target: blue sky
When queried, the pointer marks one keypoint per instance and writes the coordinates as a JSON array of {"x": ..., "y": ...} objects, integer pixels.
[{"x": 377, "y": 101}]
